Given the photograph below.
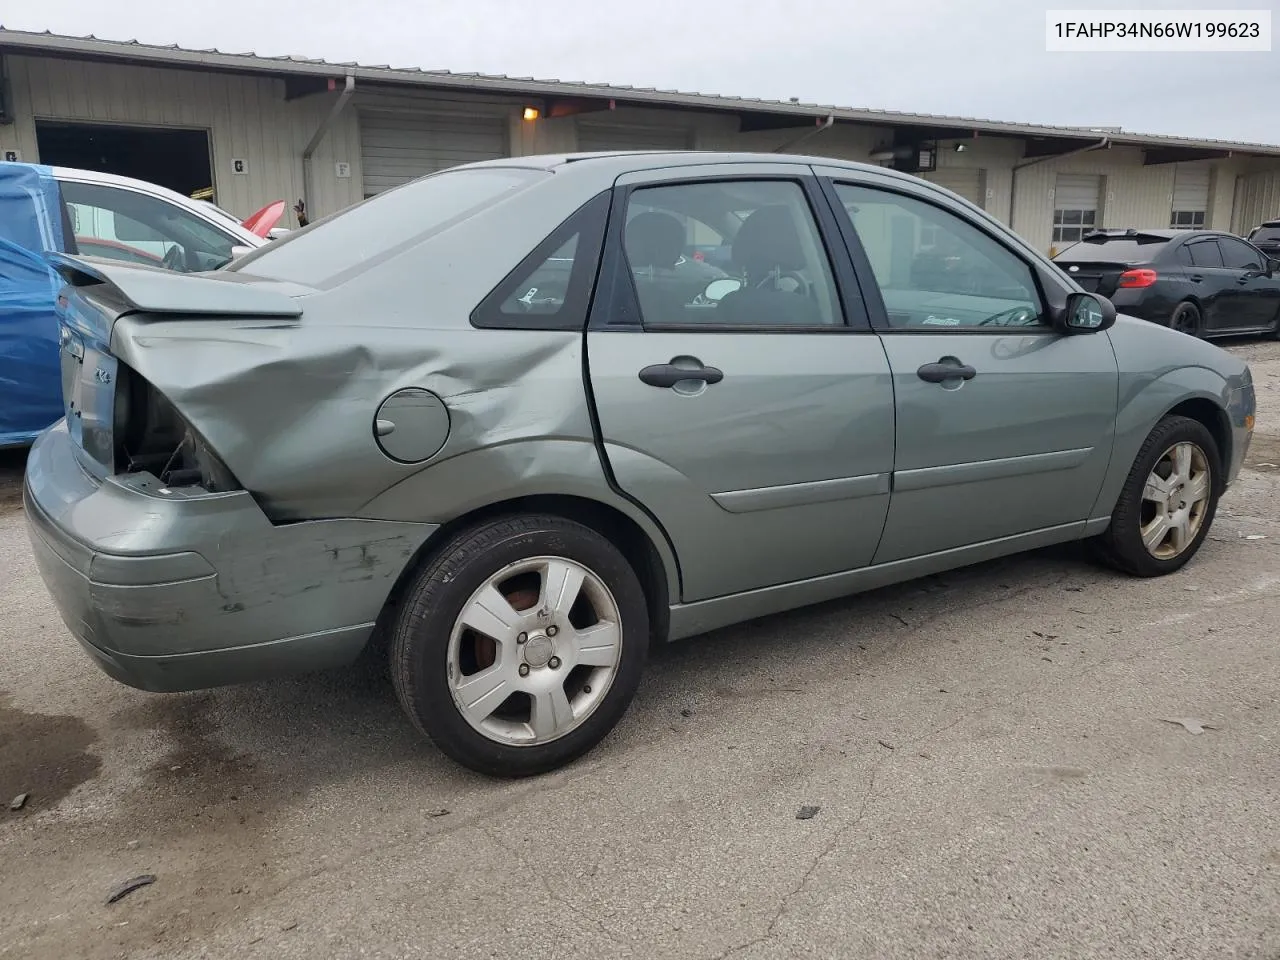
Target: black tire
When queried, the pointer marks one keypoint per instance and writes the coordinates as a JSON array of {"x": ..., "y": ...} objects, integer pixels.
[
  {"x": 1186, "y": 319},
  {"x": 423, "y": 627},
  {"x": 1121, "y": 545}
]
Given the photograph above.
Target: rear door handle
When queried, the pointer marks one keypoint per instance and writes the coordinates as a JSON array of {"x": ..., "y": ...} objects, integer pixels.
[
  {"x": 940, "y": 372},
  {"x": 1197, "y": 278},
  {"x": 668, "y": 374}
]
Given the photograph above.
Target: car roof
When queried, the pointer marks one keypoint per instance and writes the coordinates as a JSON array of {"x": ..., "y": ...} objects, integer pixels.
[{"x": 626, "y": 161}]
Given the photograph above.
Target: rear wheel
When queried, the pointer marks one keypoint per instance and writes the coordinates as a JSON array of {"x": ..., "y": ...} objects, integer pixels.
[
  {"x": 1168, "y": 501},
  {"x": 520, "y": 645},
  {"x": 1186, "y": 319}
]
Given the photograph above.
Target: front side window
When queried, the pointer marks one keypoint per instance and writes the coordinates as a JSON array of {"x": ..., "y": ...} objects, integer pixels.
[
  {"x": 729, "y": 252},
  {"x": 121, "y": 224},
  {"x": 937, "y": 271},
  {"x": 1238, "y": 255}
]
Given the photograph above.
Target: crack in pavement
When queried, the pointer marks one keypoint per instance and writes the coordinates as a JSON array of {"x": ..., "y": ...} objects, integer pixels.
[
  {"x": 559, "y": 898},
  {"x": 799, "y": 888}
]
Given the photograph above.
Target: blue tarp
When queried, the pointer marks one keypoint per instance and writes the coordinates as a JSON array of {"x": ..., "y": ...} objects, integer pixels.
[{"x": 30, "y": 377}]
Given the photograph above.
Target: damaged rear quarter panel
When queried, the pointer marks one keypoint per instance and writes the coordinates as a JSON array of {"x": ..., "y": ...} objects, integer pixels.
[{"x": 289, "y": 405}]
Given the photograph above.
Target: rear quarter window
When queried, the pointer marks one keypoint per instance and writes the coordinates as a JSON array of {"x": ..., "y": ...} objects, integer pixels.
[{"x": 329, "y": 251}]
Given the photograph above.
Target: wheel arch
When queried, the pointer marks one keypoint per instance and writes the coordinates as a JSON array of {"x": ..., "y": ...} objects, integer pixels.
[
  {"x": 1197, "y": 392},
  {"x": 654, "y": 564}
]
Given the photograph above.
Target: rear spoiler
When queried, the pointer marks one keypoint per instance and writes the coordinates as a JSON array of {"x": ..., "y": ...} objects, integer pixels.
[{"x": 154, "y": 290}]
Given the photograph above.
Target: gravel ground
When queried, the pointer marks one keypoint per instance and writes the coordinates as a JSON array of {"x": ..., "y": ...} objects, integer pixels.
[{"x": 990, "y": 751}]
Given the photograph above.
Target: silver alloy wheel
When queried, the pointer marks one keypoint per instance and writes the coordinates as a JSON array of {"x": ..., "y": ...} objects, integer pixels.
[
  {"x": 528, "y": 664},
  {"x": 1175, "y": 500}
]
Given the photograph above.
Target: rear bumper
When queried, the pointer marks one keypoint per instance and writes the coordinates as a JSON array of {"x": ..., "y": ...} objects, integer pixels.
[{"x": 182, "y": 592}]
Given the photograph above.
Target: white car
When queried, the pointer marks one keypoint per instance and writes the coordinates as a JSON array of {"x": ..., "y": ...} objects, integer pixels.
[{"x": 121, "y": 218}]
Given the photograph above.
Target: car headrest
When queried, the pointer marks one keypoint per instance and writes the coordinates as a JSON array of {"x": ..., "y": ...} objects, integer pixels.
[
  {"x": 654, "y": 240},
  {"x": 767, "y": 240}
]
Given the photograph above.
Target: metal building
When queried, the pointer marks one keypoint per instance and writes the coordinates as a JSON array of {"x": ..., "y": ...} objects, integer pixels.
[{"x": 251, "y": 129}]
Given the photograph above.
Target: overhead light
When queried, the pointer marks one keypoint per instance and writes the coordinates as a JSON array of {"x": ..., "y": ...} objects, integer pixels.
[
  {"x": 961, "y": 148},
  {"x": 531, "y": 113}
]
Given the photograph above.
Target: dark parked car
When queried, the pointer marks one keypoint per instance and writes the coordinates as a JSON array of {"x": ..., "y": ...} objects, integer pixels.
[
  {"x": 1266, "y": 237},
  {"x": 1201, "y": 282}
]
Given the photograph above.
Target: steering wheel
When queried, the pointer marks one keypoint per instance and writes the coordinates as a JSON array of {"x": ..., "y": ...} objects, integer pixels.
[
  {"x": 175, "y": 258},
  {"x": 1016, "y": 317}
]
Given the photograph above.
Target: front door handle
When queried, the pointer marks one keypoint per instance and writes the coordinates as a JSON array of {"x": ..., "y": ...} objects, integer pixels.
[
  {"x": 940, "y": 372},
  {"x": 668, "y": 374},
  {"x": 1196, "y": 278}
]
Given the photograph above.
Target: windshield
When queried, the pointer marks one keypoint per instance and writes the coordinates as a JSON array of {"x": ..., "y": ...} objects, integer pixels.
[
  {"x": 125, "y": 224},
  {"x": 1265, "y": 234},
  {"x": 329, "y": 251}
]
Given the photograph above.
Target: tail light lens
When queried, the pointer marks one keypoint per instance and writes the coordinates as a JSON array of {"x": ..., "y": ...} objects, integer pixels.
[{"x": 1137, "y": 278}]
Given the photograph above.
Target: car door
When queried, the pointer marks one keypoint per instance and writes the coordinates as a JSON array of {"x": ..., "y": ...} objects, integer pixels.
[
  {"x": 120, "y": 223},
  {"x": 1257, "y": 295},
  {"x": 1213, "y": 286},
  {"x": 1004, "y": 426},
  {"x": 756, "y": 426}
]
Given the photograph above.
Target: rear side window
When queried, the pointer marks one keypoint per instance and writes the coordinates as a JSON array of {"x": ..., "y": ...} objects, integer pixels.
[
  {"x": 1113, "y": 250},
  {"x": 1205, "y": 254},
  {"x": 331, "y": 250}
]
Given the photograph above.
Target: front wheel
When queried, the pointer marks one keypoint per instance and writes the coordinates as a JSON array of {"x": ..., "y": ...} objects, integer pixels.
[
  {"x": 521, "y": 644},
  {"x": 1168, "y": 501}
]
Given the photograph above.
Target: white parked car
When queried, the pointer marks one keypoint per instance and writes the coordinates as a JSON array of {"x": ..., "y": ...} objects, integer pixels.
[{"x": 121, "y": 218}]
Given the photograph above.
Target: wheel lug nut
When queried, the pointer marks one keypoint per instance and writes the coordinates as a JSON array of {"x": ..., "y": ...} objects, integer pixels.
[
  {"x": 522, "y": 638},
  {"x": 524, "y": 669},
  {"x": 552, "y": 630},
  {"x": 554, "y": 663}
]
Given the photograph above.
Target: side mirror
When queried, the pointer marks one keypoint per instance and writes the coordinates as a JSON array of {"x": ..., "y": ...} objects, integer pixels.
[
  {"x": 719, "y": 289},
  {"x": 1086, "y": 313},
  {"x": 1273, "y": 267},
  {"x": 239, "y": 250}
]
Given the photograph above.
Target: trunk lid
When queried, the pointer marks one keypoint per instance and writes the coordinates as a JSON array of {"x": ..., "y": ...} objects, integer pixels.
[
  {"x": 1097, "y": 276},
  {"x": 97, "y": 390}
]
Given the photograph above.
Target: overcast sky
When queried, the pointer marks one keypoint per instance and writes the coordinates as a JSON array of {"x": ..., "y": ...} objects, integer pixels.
[{"x": 976, "y": 58}]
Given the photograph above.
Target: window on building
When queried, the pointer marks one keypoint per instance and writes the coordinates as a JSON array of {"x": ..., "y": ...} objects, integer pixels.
[
  {"x": 1186, "y": 220},
  {"x": 1070, "y": 226}
]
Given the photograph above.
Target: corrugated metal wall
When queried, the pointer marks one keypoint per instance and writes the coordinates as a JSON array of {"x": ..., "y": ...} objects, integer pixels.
[
  {"x": 1257, "y": 199},
  {"x": 247, "y": 117}
]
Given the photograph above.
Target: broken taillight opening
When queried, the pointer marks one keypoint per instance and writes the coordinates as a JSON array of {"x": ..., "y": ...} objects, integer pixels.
[
  {"x": 150, "y": 436},
  {"x": 1137, "y": 278}
]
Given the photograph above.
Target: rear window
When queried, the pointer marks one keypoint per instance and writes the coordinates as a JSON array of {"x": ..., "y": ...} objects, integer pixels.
[
  {"x": 1113, "y": 249},
  {"x": 1265, "y": 235},
  {"x": 329, "y": 251}
]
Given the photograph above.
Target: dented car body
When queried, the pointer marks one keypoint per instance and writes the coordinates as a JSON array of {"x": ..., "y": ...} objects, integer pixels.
[{"x": 505, "y": 371}]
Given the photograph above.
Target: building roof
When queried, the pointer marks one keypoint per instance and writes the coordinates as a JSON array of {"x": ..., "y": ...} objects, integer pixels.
[{"x": 764, "y": 113}]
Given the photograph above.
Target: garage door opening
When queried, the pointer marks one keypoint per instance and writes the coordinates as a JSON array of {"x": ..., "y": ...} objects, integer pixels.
[{"x": 177, "y": 159}]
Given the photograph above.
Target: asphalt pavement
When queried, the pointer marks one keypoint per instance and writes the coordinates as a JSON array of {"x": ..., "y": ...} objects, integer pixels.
[{"x": 1027, "y": 758}]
